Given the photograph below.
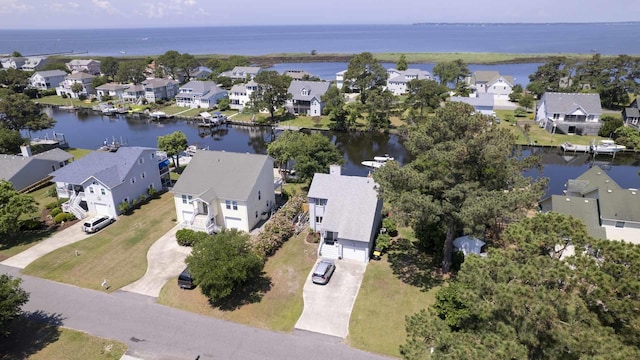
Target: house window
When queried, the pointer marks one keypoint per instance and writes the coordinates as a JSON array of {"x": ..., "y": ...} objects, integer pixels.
[
  {"x": 151, "y": 186},
  {"x": 133, "y": 180},
  {"x": 61, "y": 164},
  {"x": 318, "y": 219},
  {"x": 321, "y": 202},
  {"x": 143, "y": 175},
  {"x": 235, "y": 205},
  {"x": 620, "y": 224},
  {"x": 259, "y": 197},
  {"x": 556, "y": 116},
  {"x": 304, "y": 92},
  {"x": 90, "y": 189},
  {"x": 256, "y": 214},
  {"x": 186, "y": 199},
  {"x": 153, "y": 155},
  {"x": 103, "y": 192},
  {"x": 228, "y": 204},
  {"x": 140, "y": 161},
  {"x": 53, "y": 167}
]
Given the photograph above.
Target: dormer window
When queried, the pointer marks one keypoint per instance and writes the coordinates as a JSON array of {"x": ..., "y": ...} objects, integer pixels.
[{"x": 304, "y": 92}]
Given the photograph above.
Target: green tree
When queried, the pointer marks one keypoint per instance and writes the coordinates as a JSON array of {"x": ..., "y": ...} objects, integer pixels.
[
  {"x": 423, "y": 96},
  {"x": 131, "y": 71},
  {"x": 12, "y": 297},
  {"x": 310, "y": 153},
  {"x": 10, "y": 141},
  {"x": 378, "y": 109},
  {"x": 609, "y": 125},
  {"x": 170, "y": 60},
  {"x": 272, "y": 91},
  {"x": 14, "y": 79},
  {"x": 55, "y": 65},
  {"x": 77, "y": 88},
  {"x": 627, "y": 136},
  {"x": 466, "y": 177},
  {"x": 99, "y": 81},
  {"x": 333, "y": 100},
  {"x": 12, "y": 206},
  {"x": 16, "y": 54},
  {"x": 451, "y": 72},
  {"x": 516, "y": 93},
  {"x": 402, "y": 63},
  {"x": 222, "y": 263},
  {"x": 526, "y": 101},
  {"x": 364, "y": 74},
  {"x": 186, "y": 62},
  {"x": 173, "y": 144},
  {"x": 109, "y": 67},
  {"x": 549, "y": 76},
  {"x": 21, "y": 113}
]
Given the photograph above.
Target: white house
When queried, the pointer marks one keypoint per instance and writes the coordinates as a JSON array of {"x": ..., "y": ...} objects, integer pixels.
[
  {"x": 240, "y": 95},
  {"x": 306, "y": 97},
  {"x": 398, "y": 79},
  {"x": 160, "y": 89},
  {"x": 224, "y": 190},
  {"x": 200, "y": 94},
  {"x": 88, "y": 66},
  {"x": 45, "y": 80},
  {"x": 483, "y": 103},
  {"x": 82, "y": 78},
  {"x": 98, "y": 182},
  {"x": 569, "y": 113},
  {"x": 490, "y": 82},
  {"x": 242, "y": 72},
  {"x": 26, "y": 170},
  {"x": 31, "y": 63},
  {"x": 340, "y": 78},
  {"x": 112, "y": 90},
  {"x": 346, "y": 211}
]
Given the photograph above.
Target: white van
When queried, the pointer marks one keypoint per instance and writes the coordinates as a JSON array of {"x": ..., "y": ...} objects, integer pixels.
[{"x": 94, "y": 224}]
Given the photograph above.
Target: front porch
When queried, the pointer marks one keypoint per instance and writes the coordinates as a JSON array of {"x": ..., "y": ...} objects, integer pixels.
[
  {"x": 203, "y": 218},
  {"x": 330, "y": 247}
]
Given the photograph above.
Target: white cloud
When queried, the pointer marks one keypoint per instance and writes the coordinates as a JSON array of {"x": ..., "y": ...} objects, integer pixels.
[
  {"x": 154, "y": 11},
  {"x": 69, "y": 7},
  {"x": 105, "y": 5},
  {"x": 161, "y": 9},
  {"x": 13, "y": 6},
  {"x": 73, "y": 4}
]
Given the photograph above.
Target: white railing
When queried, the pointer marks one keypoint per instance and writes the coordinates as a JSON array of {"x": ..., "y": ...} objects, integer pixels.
[{"x": 73, "y": 205}]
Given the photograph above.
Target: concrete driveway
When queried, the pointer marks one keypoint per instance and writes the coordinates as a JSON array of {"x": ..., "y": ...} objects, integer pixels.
[
  {"x": 165, "y": 260},
  {"x": 327, "y": 308},
  {"x": 60, "y": 239}
]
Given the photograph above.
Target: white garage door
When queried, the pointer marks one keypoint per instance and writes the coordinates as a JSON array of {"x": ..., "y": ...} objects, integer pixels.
[
  {"x": 187, "y": 215},
  {"x": 354, "y": 250},
  {"x": 101, "y": 209},
  {"x": 233, "y": 223}
]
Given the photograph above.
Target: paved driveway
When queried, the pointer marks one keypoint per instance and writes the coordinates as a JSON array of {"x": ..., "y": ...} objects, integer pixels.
[
  {"x": 165, "y": 260},
  {"x": 327, "y": 308},
  {"x": 60, "y": 239}
]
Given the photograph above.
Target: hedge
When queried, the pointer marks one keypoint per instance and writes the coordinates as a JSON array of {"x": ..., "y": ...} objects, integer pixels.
[
  {"x": 55, "y": 211},
  {"x": 279, "y": 229},
  {"x": 188, "y": 237},
  {"x": 63, "y": 217}
]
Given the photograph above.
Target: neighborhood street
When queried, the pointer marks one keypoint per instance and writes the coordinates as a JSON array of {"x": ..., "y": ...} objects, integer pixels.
[{"x": 154, "y": 331}]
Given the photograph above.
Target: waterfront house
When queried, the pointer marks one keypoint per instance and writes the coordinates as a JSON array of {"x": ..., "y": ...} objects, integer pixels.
[
  {"x": 297, "y": 74},
  {"x": 160, "y": 89},
  {"x": 200, "y": 72},
  {"x": 240, "y": 95},
  {"x": 45, "y": 80},
  {"x": 340, "y": 79},
  {"x": 88, "y": 66},
  {"x": 608, "y": 210},
  {"x": 27, "y": 171},
  {"x": 242, "y": 72},
  {"x": 631, "y": 115},
  {"x": 111, "y": 90},
  {"x": 490, "y": 82},
  {"x": 30, "y": 63},
  {"x": 199, "y": 94},
  {"x": 482, "y": 103},
  {"x": 397, "y": 79},
  {"x": 347, "y": 212},
  {"x": 134, "y": 93},
  {"x": 101, "y": 180},
  {"x": 569, "y": 113},
  {"x": 306, "y": 97},
  {"x": 82, "y": 78},
  {"x": 224, "y": 190},
  {"x": 13, "y": 62}
]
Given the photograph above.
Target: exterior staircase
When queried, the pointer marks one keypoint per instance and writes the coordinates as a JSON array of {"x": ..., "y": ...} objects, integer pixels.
[
  {"x": 73, "y": 206},
  {"x": 329, "y": 251}
]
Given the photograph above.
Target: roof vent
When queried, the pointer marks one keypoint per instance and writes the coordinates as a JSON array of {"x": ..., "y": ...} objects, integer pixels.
[
  {"x": 633, "y": 193},
  {"x": 609, "y": 190},
  {"x": 567, "y": 199},
  {"x": 598, "y": 173},
  {"x": 586, "y": 201},
  {"x": 606, "y": 181}
]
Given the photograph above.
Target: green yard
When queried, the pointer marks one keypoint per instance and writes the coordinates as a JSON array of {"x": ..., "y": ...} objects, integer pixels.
[
  {"x": 58, "y": 100},
  {"x": 118, "y": 253}
]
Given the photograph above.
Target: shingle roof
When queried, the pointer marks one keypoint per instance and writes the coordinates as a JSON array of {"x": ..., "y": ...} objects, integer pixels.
[
  {"x": 80, "y": 76},
  {"x": 81, "y": 62},
  {"x": 199, "y": 88},
  {"x": 585, "y": 209},
  {"x": 352, "y": 202},
  {"x": 231, "y": 176},
  {"x": 314, "y": 89},
  {"x": 481, "y": 100},
  {"x": 24, "y": 171},
  {"x": 111, "y": 86},
  {"x": 50, "y": 73},
  {"x": 110, "y": 168},
  {"x": 565, "y": 103},
  {"x": 631, "y": 112},
  {"x": 590, "y": 180}
]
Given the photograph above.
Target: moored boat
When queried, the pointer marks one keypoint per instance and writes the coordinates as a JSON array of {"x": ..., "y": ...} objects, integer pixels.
[
  {"x": 377, "y": 161},
  {"x": 606, "y": 146}
]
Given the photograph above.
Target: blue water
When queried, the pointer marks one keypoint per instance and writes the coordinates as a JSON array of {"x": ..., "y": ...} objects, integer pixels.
[{"x": 605, "y": 38}]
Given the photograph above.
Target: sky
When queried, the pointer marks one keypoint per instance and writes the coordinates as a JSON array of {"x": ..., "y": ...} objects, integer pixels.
[{"x": 85, "y": 14}]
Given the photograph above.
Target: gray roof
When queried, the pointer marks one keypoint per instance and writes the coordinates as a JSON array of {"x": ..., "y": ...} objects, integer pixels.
[
  {"x": 81, "y": 62},
  {"x": 242, "y": 71},
  {"x": 314, "y": 89},
  {"x": 112, "y": 86},
  {"x": 352, "y": 202},
  {"x": 80, "y": 76},
  {"x": 585, "y": 209},
  {"x": 631, "y": 112},
  {"x": 296, "y": 74},
  {"x": 199, "y": 88},
  {"x": 404, "y": 76},
  {"x": 157, "y": 83},
  {"x": 50, "y": 73},
  {"x": 565, "y": 103},
  {"x": 220, "y": 174},
  {"x": 110, "y": 168},
  {"x": 591, "y": 180},
  {"x": 489, "y": 76},
  {"x": 25, "y": 171},
  {"x": 480, "y": 100}
]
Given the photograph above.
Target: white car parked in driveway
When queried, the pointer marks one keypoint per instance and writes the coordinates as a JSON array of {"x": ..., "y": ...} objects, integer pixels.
[
  {"x": 322, "y": 273},
  {"x": 96, "y": 223}
]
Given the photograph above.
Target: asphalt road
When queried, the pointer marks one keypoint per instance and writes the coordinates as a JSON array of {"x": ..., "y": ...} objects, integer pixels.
[{"x": 154, "y": 331}]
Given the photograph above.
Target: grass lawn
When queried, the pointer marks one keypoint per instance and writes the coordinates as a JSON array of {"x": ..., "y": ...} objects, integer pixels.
[
  {"x": 307, "y": 122},
  {"x": 57, "y": 100},
  {"x": 118, "y": 253},
  {"x": 398, "y": 285},
  {"x": 281, "y": 305},
  {"x": 78, "y": 153},
  {"x": 35, "y": 340},
  {"x": 186, "y": 112}
]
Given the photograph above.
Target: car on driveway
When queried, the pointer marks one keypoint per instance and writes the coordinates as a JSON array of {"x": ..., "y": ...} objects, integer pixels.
[
  {"x": 323, "y": 271},
  {"x": 96, "y": 223},
  {"x": 185, "y": 281}
]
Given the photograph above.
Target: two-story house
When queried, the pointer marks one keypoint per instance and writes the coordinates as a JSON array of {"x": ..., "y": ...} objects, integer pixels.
[
  {"x": 242, "y": 72},
  {"x": 159, "y": 89},
  {"x": 99, "y": 181},
  {"x": 134, "y": 93},
  {"x": 631, "y": 115},
  {"x": 306, "y": 97},
  {"x": 78, "y": 78},
  {"x": 340, "y": 78},
  {"x": 397, "y": 80},
  {"x": 45, "y": 80},
  {"x": 224, "y": 190},
  {"x": 347, "y": 212},
  {"x": 88, "y": 66},
  {"x": 200, "y": 94},
  {"x": 111, "y": 90},
  {"x": 569, "y": 113},
  {"x": 27, "y": 171},
  {"x": 30, "y": 63},
  {"x": 240, "y": 95},
  {"x": 490, "y": 82}
]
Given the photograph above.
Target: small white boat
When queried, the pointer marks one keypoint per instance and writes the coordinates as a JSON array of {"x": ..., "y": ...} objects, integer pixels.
[
  {"x": 606, "y": 146},
  {"x": 191, "y": 150},
  {"x": 377, "y": 162},
  {"x": 158, "y": 114}
]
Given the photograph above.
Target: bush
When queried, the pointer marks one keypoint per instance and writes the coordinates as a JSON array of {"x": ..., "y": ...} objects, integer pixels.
[
  {"x": 152, "y": 192},
  {"x": 520, "y": 112},
  {"x": 383, "y": 241},
  {"x": 31, "y": 224},
  {"x": 124, "y": 207},
  {"x": 52, "y": 205},
  {"x": 52, "y": 192},
  {"x": 55, "y": 211},
  {"x": 390, "y": 225},
  {"x": 188, "y": 237},
  {"x": 142, "y": 199},
  {"x": 60, "y": 218},
  {"x": 61, "y": 201},
  {"x": 279, "y": 229}
]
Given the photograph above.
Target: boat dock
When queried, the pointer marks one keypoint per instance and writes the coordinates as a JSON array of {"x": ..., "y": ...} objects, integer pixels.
[{"x": 575, "y": 148}]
